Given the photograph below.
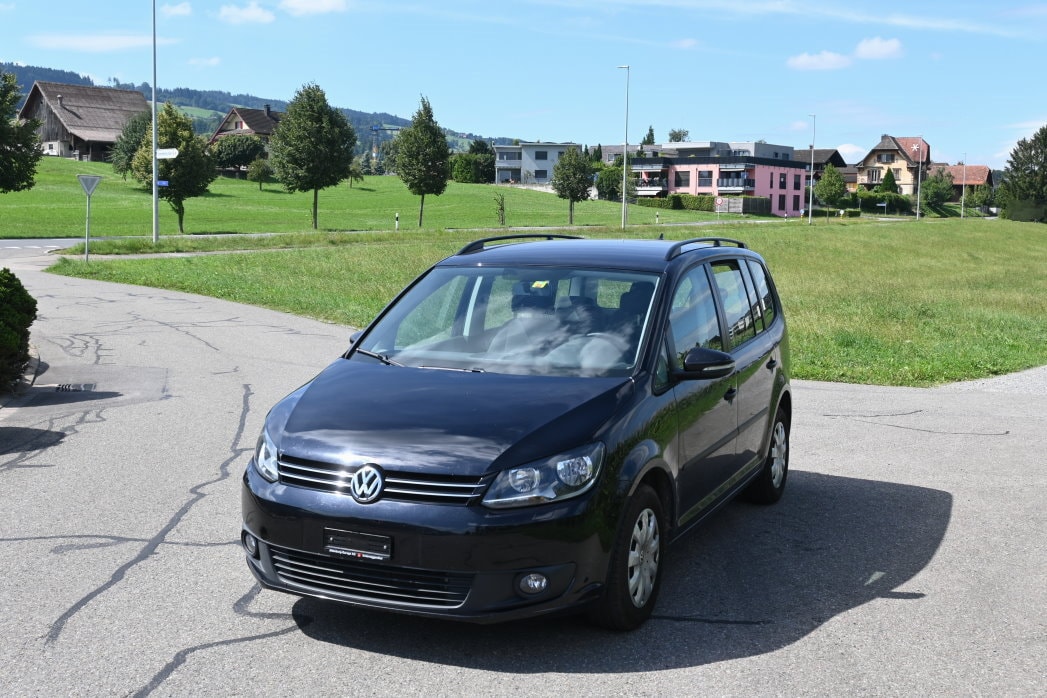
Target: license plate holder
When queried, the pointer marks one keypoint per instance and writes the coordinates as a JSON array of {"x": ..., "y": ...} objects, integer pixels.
[{"x": 362, "y": 546}]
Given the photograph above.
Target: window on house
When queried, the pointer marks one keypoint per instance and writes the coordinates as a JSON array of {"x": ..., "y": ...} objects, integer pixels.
[
  {"x": 705, "y": 178},
  {"x": 885, "y": 157},
  {"x": 541, "y": 174},
  {"x": 682, "y": 179},
  {"x": 874, "y": 175},
  {"x": 781, "y": 202},
  {"x": 796, "y": 181},
  {"x": 796, "y": 202},
  {"x": 781, "y": 180},
  {"x": 770, "y": 180},
  {"x": 541, "y": 155}
]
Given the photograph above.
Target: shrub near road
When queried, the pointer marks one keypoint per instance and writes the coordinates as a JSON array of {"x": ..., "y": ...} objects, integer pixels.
[{"x": 913, "y": 303}]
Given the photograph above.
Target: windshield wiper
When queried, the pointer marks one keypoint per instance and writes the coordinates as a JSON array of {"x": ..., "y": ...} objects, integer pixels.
[
  {"x": 454, "y": 368},
  {"x": 381, "y": 357}
]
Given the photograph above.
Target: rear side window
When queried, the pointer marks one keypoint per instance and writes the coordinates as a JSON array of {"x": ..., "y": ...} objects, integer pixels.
[{"x": 765, "y": 299}]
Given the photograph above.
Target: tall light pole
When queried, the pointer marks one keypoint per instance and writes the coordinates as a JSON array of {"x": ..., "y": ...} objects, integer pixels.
[
  {"x": 919, "y": 174},
  {"x": 810, "y": 198},
  {"x": 963, "y": 189},
  {"x": 156, "y": 198},
  {"x": 625, "y": 148}
]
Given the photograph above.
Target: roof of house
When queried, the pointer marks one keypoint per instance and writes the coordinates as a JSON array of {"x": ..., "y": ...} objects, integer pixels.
[
  {"x": 913, "y": 149},
  {"x": 970, "y": 175},
  {"x": 259, "y": 122},
  {"x": 92, "y": 113}
]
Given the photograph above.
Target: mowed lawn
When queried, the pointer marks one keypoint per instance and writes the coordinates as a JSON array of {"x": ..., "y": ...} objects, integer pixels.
[
  {"x": 56, "y": 207},
  {"x": 889, "y": 303}
]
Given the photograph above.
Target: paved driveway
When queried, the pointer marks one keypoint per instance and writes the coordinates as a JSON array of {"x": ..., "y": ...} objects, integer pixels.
[{"x": 906, "y": 558}]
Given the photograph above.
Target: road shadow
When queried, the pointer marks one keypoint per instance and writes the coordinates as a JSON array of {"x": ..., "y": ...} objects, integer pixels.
[
  {"x": 25, "y": 439},
  {"x": 751, "y": 581}
]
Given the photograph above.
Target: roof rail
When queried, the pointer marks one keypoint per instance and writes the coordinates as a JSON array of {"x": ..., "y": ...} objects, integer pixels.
[
  {"x": 479, "y": 245},
  {"x": 677, "y": 249}
]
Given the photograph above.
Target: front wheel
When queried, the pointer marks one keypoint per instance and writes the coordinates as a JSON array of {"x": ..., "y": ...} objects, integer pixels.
[
  {"x": 769, "y": 485},
  {"x": 634, "y": 576}
]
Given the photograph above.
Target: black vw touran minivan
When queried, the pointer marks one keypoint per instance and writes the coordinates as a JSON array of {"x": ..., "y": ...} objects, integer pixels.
[{"x": 525, "y": 428}]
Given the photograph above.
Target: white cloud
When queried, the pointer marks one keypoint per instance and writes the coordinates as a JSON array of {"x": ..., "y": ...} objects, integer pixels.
[
  {"x": 685, "y": 43},
  {"x": 183, "y": 9},
  {"x": 313, "y": 7},
  {"x": 826, "y": 60},
  {"x": 800, "y": 126},
  {"x": 249, "y": 14},
  {"x": 205, "y": 62},
  {"x": 851, "y": 153},
  {"x": 7, "y": 6},
  {"x": 878, "y": 49},
  {"x": 100, "y": 43}
]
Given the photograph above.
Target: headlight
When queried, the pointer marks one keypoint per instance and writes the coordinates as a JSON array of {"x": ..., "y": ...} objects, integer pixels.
[
  {"x": 265, "y": 457},
  {"x": 560, "y": 477}
]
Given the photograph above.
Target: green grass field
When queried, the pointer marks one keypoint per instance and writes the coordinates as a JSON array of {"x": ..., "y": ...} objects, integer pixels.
[
  {"x": 56, "y": 207},
  {"x": 868, "y": 301}
]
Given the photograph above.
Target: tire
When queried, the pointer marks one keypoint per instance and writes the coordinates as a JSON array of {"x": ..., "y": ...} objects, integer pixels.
[
  {"x": 769, "y": 485},
  {"x": 634, "y": 576}
]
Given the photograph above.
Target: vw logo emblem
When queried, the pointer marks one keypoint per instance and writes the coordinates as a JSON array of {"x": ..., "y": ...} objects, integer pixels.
[{"x": 366, "y": 484}]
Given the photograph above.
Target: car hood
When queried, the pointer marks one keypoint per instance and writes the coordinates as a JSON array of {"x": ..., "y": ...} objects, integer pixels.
[{"x": 452, "y": 422}]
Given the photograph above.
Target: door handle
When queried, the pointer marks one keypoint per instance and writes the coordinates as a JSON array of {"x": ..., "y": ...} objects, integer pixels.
[
  {"x": 772, "y": 364},
  {"x": 729, "y": 395}
]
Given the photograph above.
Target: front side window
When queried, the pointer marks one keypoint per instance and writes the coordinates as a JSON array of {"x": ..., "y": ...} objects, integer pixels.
[
  {"x": 527, "y": 321},
  {"x": 737, "y": 304},
  {"x": 692, "y": 317}
]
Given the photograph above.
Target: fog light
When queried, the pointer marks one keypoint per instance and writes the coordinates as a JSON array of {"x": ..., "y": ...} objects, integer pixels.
[
  {"x": 533, "y": 583},
  {"x": 250, "y": 544}
]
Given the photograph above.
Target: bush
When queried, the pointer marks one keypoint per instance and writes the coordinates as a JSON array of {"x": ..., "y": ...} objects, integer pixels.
[{"x": 17, "y": 312}]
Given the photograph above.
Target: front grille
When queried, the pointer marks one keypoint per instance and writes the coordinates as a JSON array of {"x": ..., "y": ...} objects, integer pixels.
[
  {"x": 370, "y": 581},
  {"x": 399, "y": 485}
]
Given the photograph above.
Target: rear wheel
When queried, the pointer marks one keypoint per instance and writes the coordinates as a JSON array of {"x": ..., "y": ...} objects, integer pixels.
[
  {"x": 635, "y": 573},
  {"x": 769, "y": 485}
]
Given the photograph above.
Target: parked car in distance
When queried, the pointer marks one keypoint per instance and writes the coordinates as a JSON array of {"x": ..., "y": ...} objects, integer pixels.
[{"x": 525, "y": 428}]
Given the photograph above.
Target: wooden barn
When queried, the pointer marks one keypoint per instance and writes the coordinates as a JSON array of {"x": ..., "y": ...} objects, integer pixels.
[{"x": 78, "y": 121}]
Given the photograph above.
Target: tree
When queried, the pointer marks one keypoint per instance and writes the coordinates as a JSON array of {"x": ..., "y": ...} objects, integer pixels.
[
  {"x": 597, "y": 153},
  {"x": 312, "y": 148},
  {"x": 937, "y": 189},
  {"x": 422, "y": 156},
  {"x": 236, "y": 151},
  {"x": 678, "y": 135},
  {"x": 19, "y": 143},
  {"x": 831, "y": 188},
  {"x": 480, "y": 147},
  {"x": 189, "y": 174},
  {"x": 609, "y": 183},
  {"x": 356, "y": 171},
  {"x": 259, "y": 171},
  {"x": 888, "y": 185},
  {"x": 572, "y": 179},
  {"x": 1023, "y": 193},
  {"x": 131, "y": 138},
  {"x": 649, "y": 138}
]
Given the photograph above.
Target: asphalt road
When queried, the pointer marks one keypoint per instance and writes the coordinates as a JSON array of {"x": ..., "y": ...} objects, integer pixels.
[{"x": 907, "y": 557}]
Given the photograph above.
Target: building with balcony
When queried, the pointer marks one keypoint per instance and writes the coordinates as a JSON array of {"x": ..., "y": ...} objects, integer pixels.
[
  {"x": 528, "y": 163},
  {"x": 906, "y": 158},
  {"x": 715, "y": 168}
]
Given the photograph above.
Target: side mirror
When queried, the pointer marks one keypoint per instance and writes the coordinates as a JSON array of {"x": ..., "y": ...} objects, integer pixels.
[
  {"x": 701, "y": 363},
  {"x": 354, "y": 337}
]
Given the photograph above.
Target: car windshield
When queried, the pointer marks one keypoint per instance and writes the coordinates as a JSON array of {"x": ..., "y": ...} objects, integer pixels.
[{"x": 519, "y": 320}]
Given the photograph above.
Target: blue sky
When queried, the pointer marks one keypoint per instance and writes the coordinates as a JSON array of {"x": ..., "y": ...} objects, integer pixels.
[{"x": 967, "y": 76}]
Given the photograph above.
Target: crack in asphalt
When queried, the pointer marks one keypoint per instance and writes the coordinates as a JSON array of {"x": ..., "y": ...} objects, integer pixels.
[
  {"x": 870, "y": 419},
  {"x": 152, "y": 544}
]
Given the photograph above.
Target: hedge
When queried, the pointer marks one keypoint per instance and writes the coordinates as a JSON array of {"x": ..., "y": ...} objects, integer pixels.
[{"x": 17, "y": 312}]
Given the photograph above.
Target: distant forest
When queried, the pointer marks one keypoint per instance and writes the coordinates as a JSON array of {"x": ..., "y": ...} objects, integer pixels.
[{"x": 220, "y": 102}]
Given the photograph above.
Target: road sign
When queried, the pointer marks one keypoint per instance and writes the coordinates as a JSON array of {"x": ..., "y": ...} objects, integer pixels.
[
  {"x": 161, "y": 182},
  {"x": 89, "y": 182},
  {"x": 166, "y": 153}
]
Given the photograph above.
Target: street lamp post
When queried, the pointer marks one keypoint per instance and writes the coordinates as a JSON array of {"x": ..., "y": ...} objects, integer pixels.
[
  {"x": 919, "y": 174},
  {"x": 156, "y": 198},
  {"x": 963, "y": 189},
  {"x": 625, "y": 149},
  {"x": 810, "y": 196}
]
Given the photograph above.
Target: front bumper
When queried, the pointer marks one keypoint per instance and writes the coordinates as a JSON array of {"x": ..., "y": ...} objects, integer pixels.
[{"x": 457, "y": 562}]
